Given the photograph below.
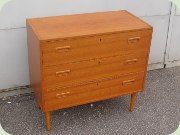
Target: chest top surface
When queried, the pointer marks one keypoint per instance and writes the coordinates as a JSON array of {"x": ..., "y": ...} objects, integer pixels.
[{"x": 61, "y": 27}]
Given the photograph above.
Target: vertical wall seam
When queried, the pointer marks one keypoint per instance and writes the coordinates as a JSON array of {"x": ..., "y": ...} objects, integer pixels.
[{"x": 169, "y": 35}]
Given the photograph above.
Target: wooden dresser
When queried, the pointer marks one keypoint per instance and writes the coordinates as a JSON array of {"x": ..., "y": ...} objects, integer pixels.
[{"x": 78, "y": 59}]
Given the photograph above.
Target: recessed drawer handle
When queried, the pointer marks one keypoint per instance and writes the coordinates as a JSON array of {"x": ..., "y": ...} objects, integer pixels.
[
  {"x": 62, "y": 73},
  {"x": 63, "y": 49},
  {"x": 133, "y": 40},
  {"x": 129, "y": 82},
  {"x": 63, "y": 95},
  {"x": 131, "y": 61}
]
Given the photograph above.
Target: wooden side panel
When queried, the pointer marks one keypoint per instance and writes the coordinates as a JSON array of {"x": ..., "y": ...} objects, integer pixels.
[
  {"x": 147, "y": 58},
  {"x": 34, "y": 64}
]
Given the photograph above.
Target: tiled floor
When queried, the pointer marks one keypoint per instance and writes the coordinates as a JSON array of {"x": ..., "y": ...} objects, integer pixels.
[{"x": 157, "y": 112}]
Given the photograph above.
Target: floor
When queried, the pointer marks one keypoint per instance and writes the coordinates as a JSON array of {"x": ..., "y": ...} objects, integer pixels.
[{"x": 157, "y": 112}]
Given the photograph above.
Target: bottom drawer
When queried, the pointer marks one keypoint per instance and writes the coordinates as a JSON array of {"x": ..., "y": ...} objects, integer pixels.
[{"x": 100, "y": 89}]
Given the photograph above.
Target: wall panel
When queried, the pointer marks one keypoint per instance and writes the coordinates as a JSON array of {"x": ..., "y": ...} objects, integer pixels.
[
  {"x": 16, "y": 11},
  {"x": 173, "y": 52},
  {"x": 13, "y": 58}
]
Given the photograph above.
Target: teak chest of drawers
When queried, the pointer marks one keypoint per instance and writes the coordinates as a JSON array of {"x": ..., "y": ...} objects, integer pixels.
[{"x": 78, "y": 59}]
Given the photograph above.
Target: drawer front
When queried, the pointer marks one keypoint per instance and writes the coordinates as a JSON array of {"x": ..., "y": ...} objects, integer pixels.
[
  {"x": 98, "y": 90},
  {"x": 88, "y": 70},
  {"x": 68, "y": 50}
]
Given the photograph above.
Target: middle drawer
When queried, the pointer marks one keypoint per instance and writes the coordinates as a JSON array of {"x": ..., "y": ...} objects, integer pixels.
[{"x": 89, "y": 69}]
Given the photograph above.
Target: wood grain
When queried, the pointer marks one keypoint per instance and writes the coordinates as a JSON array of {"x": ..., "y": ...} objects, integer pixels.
[
  {"x": 86, "y": 48},
  {"x": 94, "y": 92},
  {"x": 90, "y": 70},
  {"x": 53, "y": 28}
]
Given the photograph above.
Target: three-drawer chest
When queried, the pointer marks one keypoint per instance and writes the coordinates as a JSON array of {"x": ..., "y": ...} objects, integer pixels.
[{"x": 83, "y": 58}]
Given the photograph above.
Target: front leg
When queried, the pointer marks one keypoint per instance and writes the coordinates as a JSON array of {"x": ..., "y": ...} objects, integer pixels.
[
  {"x": 133, "y": 98},
  {"x": 48, "y": 121}
]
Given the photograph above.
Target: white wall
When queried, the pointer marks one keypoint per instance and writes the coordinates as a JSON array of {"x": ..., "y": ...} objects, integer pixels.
[
  {"x": 160, "y": 26},
  {"x": 13, "y": 58},
  {"x": 173, "y": 50},
  {"x": 13, "y": 48}
]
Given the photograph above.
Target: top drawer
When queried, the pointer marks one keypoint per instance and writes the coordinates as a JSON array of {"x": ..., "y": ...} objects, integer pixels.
[{"x": 58, "y": 52}]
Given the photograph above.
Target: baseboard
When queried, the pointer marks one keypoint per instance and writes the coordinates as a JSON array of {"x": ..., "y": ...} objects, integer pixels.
[
  {"x": 155, "y": 66},
  {"x": 172, "y": 64},
  {"x": 15, "y": 91}
]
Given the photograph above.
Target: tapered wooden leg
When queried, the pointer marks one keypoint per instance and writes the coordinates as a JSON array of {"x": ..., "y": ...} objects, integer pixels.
[
  {"x": 133, "y": 98},
  {"x": 48, "y": 121}
]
